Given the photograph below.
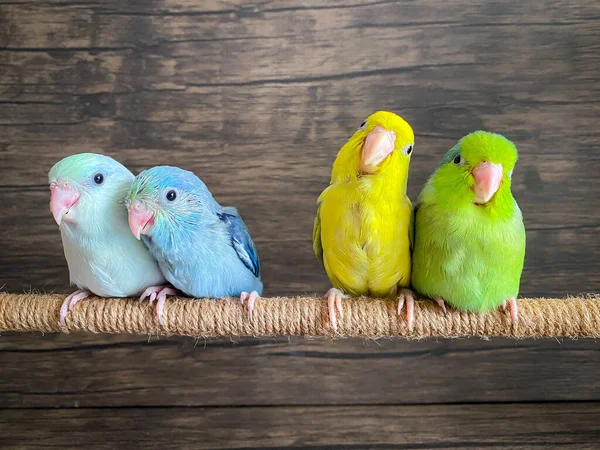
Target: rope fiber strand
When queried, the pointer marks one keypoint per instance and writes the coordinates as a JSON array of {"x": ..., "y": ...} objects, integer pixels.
[{"x": 299, "y": 316}]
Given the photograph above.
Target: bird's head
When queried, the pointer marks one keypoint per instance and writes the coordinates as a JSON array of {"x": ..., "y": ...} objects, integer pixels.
[
  {"x": 477, "y": 169},
  {"x": 85, "y": 188},
  {"x": 164, "y": 201},
  {"x": 383, "y": 142}
]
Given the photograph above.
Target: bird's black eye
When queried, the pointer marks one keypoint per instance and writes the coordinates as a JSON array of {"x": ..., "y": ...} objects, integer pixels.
[
  {"x": 458, "y": 159},
  {"x": 98, "y": 178},
  {"x": 362, "y": 125},
  {"x": 171, "y": 195},
  {"x": 409, "y": 149}
]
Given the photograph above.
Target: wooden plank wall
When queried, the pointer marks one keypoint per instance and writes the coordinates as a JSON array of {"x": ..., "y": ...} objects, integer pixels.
[{"x": 257, "y": 99}]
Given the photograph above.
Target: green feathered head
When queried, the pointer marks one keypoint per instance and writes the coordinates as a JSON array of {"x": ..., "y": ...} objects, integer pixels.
[{"x": 477, "y": 170}]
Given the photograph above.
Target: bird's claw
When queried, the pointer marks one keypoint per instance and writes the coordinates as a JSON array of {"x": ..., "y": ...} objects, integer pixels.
[
  {"x": 440, "y": 301},
  {"x": 248, "y": 300},
  {"x": 160, "y": 294},
  {"x": 406, "y": 297},
  {"x": 514, "y": 309},
  {"x": 334, "y": 303},
  {"x": 70, "y": 302}
]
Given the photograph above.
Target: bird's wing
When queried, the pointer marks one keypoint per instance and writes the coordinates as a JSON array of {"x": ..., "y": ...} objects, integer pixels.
[
  {"x": 317, "y": 244},
  {"x": 241, "y": 240}
]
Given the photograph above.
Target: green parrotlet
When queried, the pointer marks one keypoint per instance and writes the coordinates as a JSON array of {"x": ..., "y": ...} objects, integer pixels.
[{"x": 469, "y": 233}]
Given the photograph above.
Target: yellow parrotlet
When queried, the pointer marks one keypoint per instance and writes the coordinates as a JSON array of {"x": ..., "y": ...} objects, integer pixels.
[{"x": 363, "y": 229}]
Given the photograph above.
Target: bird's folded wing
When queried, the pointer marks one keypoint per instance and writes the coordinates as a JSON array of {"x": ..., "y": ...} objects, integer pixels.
[{"x": 241, "y": 240}]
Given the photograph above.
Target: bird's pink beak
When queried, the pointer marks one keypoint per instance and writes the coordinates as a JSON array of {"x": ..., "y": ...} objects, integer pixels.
[
  {"x": 487, "y": 181},
  {"x": 379, "y": 144},
  {"x": 62, "y": 198},
  {"x": 141, "y": 219}
]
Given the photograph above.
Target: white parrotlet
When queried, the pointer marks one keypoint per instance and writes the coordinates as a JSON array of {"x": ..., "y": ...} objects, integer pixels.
[{"x": 87, "y": 202}]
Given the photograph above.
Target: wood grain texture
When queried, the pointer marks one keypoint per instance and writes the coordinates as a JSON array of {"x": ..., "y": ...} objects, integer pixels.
[
  {"x": 122, "y": 371},
  {"x": 308, "y": 428},
  {"x": 257, "y": 99}
]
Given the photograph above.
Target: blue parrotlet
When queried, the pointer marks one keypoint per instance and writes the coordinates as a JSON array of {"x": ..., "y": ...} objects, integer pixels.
[{"x": 203, "y": 248}]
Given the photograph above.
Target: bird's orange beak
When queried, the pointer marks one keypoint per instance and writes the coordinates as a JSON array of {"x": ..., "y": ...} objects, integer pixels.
[
  {"x": 488, "y": 177},
  {"x": 379, "y": 144},
  {"x": 62, "y": 198},
  {"x": 140, "y": 218}
]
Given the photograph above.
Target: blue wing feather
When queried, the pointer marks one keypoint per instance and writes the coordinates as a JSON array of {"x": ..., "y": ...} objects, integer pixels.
[{"x": 241, "y": 240}]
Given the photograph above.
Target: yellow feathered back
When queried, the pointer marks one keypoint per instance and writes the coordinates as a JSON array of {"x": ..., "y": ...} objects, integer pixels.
[{"x": 363, "y": 223}]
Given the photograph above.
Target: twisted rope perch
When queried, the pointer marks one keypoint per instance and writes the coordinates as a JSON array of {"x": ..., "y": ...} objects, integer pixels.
[{"x": 300, "y": 316}]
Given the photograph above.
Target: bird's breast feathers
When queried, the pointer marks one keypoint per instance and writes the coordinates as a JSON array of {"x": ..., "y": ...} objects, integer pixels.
[
  {"x": 365, "y": 238},
  {"x": 117, "y": 265}
]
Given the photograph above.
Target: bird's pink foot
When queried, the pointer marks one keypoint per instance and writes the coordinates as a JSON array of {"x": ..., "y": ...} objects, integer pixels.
[
  {"x": 514, "y": 309},
  {"x": 334, "y": 302},
  {"x": 70, "y": 302},
  {"x": 248, "y": 300},
  {"x": 406, "y": 297},
  {"x": 158, "y": 293},
  {"x": 440, "y": 301}
]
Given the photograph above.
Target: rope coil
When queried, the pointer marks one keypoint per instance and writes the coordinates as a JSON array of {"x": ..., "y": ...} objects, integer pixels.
[{"x": 298, "y": 316}]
